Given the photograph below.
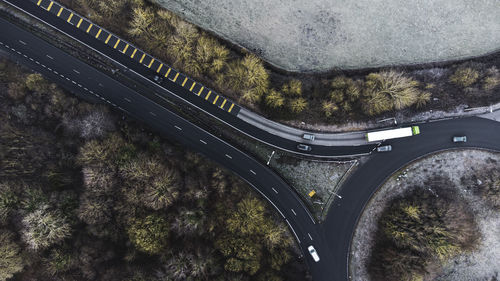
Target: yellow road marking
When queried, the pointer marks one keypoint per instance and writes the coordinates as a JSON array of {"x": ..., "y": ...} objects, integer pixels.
[
  {"x": 98, "y": 33},
  {"x": 39, "y": 1},
  {"x": 70, "y": 16},
  {"x": 60, "y": 11},
  {"x": 215, "y": 100},
  {"x": 208, "y": 95},
  {"x": 192, "y": 86},
  {"x": 199, "y": 92},
  {"x": 79, "y": 22},
  {"x": 159, "y": 68},
  {"x": 168, "y": 72},
  {"x": 142, "y": 58},
  {"x": 116, "y": 44},
  {"x": 107, "y": 39},
  {"x": 50, "y": 6},
  {"x": 133, "y": 53},
  {"x": 151, "y": 63},
  {"x": 231, "y": 108},
  {"x": 185, "y": 80},
  {"x": 125, "y": 49},
  {"x": 223, "y": 103},
  {"x": 176, "y": 75},
  {"x": 88, "y": 29}
]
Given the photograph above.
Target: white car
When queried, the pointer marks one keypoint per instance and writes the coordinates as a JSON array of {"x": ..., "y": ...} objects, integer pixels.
[{"x": 313, "y": 253}]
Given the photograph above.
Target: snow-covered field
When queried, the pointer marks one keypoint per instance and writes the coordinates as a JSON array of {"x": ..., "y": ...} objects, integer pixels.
[
  {"x": 318, "y": 35},
  {"x": 481, "y": 265}
]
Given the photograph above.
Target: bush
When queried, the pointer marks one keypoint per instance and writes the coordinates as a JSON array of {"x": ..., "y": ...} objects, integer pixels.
[
  {"x": 464, "y": 77},
  {"x": 388, "y": 90},
  {"x": 149, "y": 234},
  {"x": 421, "y": 231},
  {"x": 11, "y": 260},
  {"x": 247, "y": 77},
  {"x": 275, "y": 99},
  {"x": 44, "y": 227}
]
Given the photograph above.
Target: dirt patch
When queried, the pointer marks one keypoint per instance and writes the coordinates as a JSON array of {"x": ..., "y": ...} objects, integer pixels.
[
  {"x": 481, "y": 264},
  {"x": 319, "y": 35}
]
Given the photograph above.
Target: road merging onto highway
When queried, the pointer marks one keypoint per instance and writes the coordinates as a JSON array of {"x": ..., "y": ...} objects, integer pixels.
[
  {"x": 151, "y": 108},
  {"x": 332, "y": 238},
  {"x": 146, "y": 68}
]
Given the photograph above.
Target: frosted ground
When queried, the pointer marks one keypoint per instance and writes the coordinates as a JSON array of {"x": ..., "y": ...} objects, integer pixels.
[
  {"x": 483, "y": 264},
  {"x": 318, "y": 35}
]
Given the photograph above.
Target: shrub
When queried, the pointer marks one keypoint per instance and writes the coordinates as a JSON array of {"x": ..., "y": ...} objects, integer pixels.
[
  {"x": 248, "y": 77},
  {"x": 44, "y": 227},
  {"x": 329, "y": 108},
  {"x": 421, "y": 231},
  {"x": 149, "y": 234},
  {"x": 388, "y": 90},
  {"x": 492, "y": 79},
  {"x": 11, "y": 260},
  {"x": 464, "y": 77},
  {"x": 297, "y": 105},
  {"x": 275, "y": 99}
]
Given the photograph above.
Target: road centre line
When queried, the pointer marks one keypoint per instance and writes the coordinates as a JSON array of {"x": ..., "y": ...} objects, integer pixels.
[
  {"x": 178, "y": 128},
  {"x": 152, "y": 113},
  {"x": 275, "y": 191},
  {"x": 22, "y": 42},
  {"x": 49, "y": 57},
  {"x": 293, "y": 211},
  {"x": 203, "y": 142},
  {"x": 229, "y": 156},
  {"x": 310, "y": 237}
]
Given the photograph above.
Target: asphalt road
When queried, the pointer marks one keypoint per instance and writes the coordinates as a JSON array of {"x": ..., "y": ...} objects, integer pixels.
[
  {"x": 332, "y": 238},
  {"x": 90, "y": 83},
  {"x": 357, "y": 190},
  {"x": 143, "y": 74}
]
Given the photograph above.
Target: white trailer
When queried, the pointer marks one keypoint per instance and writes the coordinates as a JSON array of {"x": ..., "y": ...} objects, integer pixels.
[{"x": 393, "y": 134}]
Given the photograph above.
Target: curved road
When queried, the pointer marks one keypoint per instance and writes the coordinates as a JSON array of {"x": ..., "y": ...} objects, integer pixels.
[
  {"x": 150, "y": 108},
  {"x": 255, "y": 126},
  {"x": 357, "y": 190},
  {"x": 331, "y": 239}
]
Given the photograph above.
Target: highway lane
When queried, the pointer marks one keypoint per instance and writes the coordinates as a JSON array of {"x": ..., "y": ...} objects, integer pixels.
[
  {"x": 89, "y": 82},
  {"x": 358, "y": 189},
  {"x": 144, "y": 75}
]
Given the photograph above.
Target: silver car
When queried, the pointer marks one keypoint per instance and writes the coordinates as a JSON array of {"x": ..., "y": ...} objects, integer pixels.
[
  {"x": 459, "y": 139},
  {"x": 384, "y": 148},
  {"x": 310, "y": 137}
]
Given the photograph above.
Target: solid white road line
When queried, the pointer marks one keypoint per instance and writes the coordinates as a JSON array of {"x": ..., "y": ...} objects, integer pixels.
[{"x": 293, "y": 230}]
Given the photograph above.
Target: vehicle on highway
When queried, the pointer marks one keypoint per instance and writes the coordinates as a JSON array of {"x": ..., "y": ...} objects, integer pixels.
[
  {"x": 393, "y": 133},
  {"x": 310, "y": 137},
  {"x": 304, "y": 147},
  {"x": 459, "y": 139},
  {"x": 313, "y": 253},
  {"x": 384, "y": 148}
]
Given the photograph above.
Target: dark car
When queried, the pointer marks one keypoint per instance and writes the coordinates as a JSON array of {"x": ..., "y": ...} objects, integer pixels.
[{"x": 304, "y": 147}]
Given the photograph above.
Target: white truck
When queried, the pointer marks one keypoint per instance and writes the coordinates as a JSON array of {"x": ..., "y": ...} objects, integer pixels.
[{"x": 393, "y": 134}]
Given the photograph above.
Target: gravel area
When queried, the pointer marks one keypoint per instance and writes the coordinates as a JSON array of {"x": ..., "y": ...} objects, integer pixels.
[
  {"x": 482, "y": 264},
  {"x": 304, "y": 175},
  {"x": 318, "y": 35}
]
